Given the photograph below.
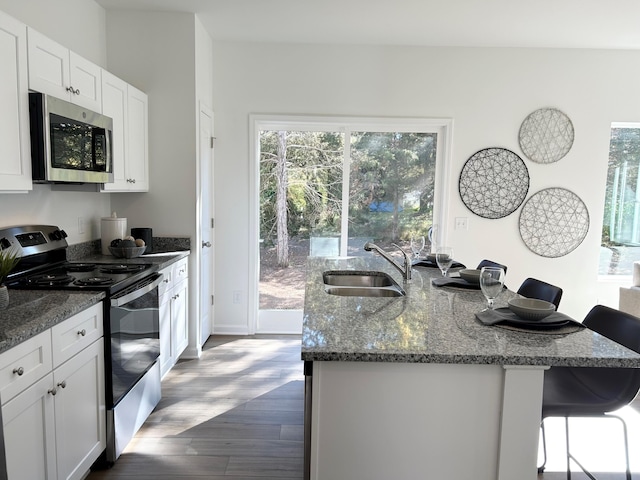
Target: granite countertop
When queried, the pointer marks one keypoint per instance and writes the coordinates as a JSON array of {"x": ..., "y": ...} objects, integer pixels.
[
  {"x": 434, "y": 325},
  {"x": 33, "y": 311},
  {"x": 162, "y": 259}
]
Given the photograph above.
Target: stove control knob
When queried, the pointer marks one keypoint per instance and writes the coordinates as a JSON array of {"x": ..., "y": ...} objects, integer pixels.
[
  {"x": 58, "y": 235},
  {"x": 4, "y": 244}
]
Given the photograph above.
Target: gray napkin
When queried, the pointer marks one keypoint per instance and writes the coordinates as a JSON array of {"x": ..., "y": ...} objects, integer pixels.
[
  {"x": 427, "y": 262},
  {"x": 504, "y": 314},
  {"x": 454, "y": 282}
]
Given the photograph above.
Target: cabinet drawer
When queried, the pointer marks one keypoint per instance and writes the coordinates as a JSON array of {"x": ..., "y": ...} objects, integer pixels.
[
  {"x": 76, "y": 333},
  {"x": 180, "y": 271},
  {"x": 24, "y": 364}
]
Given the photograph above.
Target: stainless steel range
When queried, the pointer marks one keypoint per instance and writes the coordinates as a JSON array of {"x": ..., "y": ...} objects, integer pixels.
[{"x": 131, "y": 320}]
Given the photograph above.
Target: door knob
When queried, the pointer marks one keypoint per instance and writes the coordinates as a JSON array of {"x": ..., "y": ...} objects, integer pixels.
[{"x": 206, "y": 244}]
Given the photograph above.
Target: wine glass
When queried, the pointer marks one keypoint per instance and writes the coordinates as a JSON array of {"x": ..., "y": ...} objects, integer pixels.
[
  {"x": 491, "y": 283},
  {"x": 417, "y": 244},
  {"x": 444, "y": 259}
]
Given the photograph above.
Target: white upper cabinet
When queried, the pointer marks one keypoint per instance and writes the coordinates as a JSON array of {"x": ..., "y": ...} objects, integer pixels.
[
  {"x": 57, "y": 71},
  {"x": 114, "y": 105},
  {"x": 15, "y": 150},
  {"x": 138, "y": 144},
  {"x": 128, "y": 107}
]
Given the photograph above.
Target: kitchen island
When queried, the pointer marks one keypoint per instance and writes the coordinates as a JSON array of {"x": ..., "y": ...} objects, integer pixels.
[{"x": 415, "y": 387}]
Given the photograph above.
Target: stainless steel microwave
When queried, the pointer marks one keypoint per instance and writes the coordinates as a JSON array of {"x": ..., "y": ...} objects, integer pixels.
[{"x": 69, "y": 143}]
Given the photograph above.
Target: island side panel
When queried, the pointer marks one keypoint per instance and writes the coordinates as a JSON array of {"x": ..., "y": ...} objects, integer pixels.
[
  {"x": 405, "y": 420},
  {"x": 520, "y": 425}
]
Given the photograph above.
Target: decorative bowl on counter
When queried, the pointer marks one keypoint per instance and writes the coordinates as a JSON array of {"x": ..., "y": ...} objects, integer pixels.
[
  {"x": 531, "y": 308},
  {"x": 127, "y": 252},
  {"x": 470, "y": 275}
]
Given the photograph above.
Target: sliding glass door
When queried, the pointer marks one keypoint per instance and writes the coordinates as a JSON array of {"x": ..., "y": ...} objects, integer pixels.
[{"x": 325, "y": 189}]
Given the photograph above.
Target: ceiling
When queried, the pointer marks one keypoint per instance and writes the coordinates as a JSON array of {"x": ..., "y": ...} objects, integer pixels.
[{"x": 478, "y": 23}]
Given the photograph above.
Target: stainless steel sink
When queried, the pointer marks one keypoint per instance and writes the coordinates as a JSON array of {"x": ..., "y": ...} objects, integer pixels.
[
  {"x": 360, "y": 284},
  {"x": 364, "y": 291}
]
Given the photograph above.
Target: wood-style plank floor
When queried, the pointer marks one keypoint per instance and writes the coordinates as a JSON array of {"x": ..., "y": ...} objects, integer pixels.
[
  {"x": 238, "y": 412},
  {"x": 235, "y": 412}
]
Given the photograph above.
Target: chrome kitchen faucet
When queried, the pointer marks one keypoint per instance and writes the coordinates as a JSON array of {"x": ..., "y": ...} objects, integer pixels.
[{"x": 405, "y": 269}]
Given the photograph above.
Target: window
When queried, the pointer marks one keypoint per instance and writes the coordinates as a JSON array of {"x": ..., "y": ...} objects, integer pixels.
[
  {"x": 621, "y": 223},
  {"x": 326, "y": 187}
]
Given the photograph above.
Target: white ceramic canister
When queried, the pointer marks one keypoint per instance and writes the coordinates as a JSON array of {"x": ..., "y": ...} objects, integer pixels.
[{"x": 111, "y": 228}]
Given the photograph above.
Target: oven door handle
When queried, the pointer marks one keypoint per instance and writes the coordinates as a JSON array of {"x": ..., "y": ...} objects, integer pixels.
[{"x": 137, "y": 293}]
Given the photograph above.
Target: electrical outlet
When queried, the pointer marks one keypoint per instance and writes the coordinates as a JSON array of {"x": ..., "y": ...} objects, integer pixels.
[
  {"x": 81, "y": 225},
  {"x": 237, "y": 296},
  {"x": 461, "y": 223}
]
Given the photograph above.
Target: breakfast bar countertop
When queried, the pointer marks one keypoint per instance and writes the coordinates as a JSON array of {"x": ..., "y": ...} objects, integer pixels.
[{"x": 434, "y": 325}]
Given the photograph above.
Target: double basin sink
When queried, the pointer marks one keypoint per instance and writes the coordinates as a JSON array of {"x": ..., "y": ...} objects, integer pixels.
[{"x": 351, "y": 283}]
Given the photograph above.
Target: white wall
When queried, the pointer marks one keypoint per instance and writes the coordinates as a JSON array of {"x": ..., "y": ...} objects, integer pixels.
[
  {"x": 44, "y": 204},
  {"x": 155, "y": 52},
  {"x": 488, "y": 93},
  {"x": 76, "y": 24},
  {"x": 168, "y": 56}
]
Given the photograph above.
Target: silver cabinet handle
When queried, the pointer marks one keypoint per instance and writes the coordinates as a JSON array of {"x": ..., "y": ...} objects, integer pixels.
[
  {"x": 62, "y": 384},
  {"x": 18, "y": 371},
  {"x": 120, "y": 300},
  {"x": 53, "y": 391},
  {"x": 206, "y": 244},
  {"x": 82, "y": 332}
]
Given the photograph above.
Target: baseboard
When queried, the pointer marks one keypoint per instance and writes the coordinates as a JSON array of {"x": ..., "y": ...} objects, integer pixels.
[{"x": 230, "y": 330}]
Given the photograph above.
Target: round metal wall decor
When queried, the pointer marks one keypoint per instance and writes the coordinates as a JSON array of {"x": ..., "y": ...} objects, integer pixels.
[
  {"x": 553, "y": 222},
  {"x": 546, "y": 135},
  {"x": 494, "y": 182}
]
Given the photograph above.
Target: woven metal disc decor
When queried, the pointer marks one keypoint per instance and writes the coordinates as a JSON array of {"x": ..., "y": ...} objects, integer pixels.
[
  {"x": 546, "y": 135},
  {"x": 553, "y": 222},
  {"x": 494, "y": 182}
]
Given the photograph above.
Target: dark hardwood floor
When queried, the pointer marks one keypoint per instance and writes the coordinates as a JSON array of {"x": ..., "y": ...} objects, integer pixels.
[
  {"x": 235, "y": 412},
  {"x": 238, "y": 412}
]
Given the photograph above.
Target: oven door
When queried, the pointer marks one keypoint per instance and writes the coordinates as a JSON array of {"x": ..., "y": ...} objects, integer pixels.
[{"x": 134, "y": 335}]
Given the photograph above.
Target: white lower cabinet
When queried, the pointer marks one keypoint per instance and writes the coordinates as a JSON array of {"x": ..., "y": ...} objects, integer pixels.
[
  {"x": 179, "y": 329},
  {"x": 166, "y": 359},
  {"x": 55, "y": 428},
  {"x": 174, "y": 315},
  {"x": 29, "y": 432}
]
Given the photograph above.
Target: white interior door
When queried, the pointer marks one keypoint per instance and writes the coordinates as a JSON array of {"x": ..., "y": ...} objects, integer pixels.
[{"x": 206, "y": 223}]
